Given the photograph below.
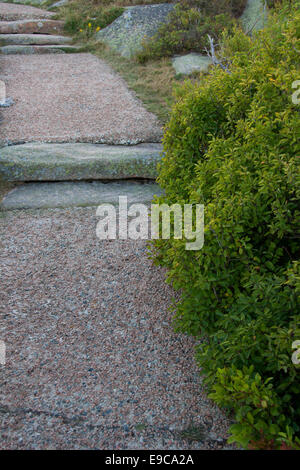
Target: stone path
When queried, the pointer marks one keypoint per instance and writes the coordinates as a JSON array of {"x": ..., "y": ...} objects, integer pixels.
[
  {"x": 71, "y": 98},
  {"x": 13, "y": 12},
  {"x": 92, "y": 361},
  {"x": 37, "y": 35}
]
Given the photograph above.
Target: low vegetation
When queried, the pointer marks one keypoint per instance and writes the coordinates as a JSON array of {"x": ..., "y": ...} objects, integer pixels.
[
  {"x": 83, "y": 18},
  {"x": 188, "y": 27},
  {"x": 232, "y": 144}
]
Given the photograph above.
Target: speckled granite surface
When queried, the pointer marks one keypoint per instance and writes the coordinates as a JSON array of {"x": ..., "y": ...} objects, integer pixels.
[
  {"x": 126, "y": 33},
  {"x": 71, "y": 98},
  {"x": 12, "y": 12},
  {"x": 92, "y": 360},
  {"x": 71, "y": 162}
]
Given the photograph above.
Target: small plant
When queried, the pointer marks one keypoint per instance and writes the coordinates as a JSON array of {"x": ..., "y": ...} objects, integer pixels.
[{"x": 89, "y": 31}]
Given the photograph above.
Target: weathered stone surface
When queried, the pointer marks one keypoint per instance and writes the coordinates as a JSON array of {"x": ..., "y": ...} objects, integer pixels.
[
  {"x": 33, "y": 39},
  {"x": 126, "y": 33},
  {"x": 31, "y": 27},
  {"x": 27, "y": 2},
  {"x": 64, "y": 98},
  {"x": 254, "y": 16},
  {"x": 192, "y": 62},
  {"x": 61, "y": 3},
  {"x": 80, "y": 194},
  {"x": 12, "y": 12},
  {"x": 63, "y": 162},
  {"x": 28, "y": 50}
]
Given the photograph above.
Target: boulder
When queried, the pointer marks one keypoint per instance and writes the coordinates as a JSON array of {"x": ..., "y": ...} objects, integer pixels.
[
  {"x": 126, "y": 33},
  {"x": 190, "y": 63}
]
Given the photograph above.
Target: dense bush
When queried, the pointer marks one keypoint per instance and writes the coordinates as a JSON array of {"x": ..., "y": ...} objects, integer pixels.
[
  {"x": 232, "y": 144},
  {"x": 189, "y": 24}
]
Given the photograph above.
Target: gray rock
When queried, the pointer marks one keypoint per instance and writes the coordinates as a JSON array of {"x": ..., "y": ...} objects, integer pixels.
[
  {"x": 254, "y": 16},
  {"x": 79, "y": 194},
  {"x": 51, "y": 49},
  {"x": 190, "y": 63},
  {"x": 126, "y": 33},
  {"x": 69, "y": 162},
  {"x": 33, "y": 39},
  {"x": 61, "y": 3}
]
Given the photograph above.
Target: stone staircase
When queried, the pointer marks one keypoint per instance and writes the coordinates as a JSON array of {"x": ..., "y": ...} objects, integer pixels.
[
  {"x": 76, "y": 162},
  {"x": 35, "y": 44},
  {"x": 37, "y": 26},
  {"x": 66, "y": 175},
  {"x": 22, "y": 35},
  {"x": 55, "y": 174}
]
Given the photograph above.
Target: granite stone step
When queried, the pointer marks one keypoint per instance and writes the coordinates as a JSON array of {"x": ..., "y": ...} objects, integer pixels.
[
  {"x": 26, "y": 2},
  {"x": 13, "y": 12},
  {"x": 38, "y": 26},
  {"x": 51, "y": 49},
  {"x": 77, "y": 194},
  {"x": 72, "y": 162},
  {"x": 33, "y": 39}
]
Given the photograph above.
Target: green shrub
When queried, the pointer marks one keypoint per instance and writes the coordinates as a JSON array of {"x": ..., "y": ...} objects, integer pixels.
[
  {"x": 189, "y": 24},
  {"x": 232, "y": 144}
]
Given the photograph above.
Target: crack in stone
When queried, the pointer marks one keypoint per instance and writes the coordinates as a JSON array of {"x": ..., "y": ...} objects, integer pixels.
[
  {"x": 23, "y": 411},
  {"x": 133, "y": 430}
]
